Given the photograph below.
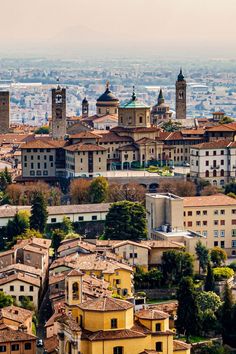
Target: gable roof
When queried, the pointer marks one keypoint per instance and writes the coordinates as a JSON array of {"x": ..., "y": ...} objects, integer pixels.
[{"x": 105, "y": 304}]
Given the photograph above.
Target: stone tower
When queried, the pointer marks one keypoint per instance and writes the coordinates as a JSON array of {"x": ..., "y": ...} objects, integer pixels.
[
  {"x": 85, "y": 108},
  {"x": 181, "y": 88},
  {"x": 4, "y": 111},
  {"x": 73, "y": 293},
  {"x": 58, "y": 113}
]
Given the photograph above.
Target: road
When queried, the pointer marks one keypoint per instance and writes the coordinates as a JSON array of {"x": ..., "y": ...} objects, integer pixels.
[{"x": 45, "y": 313}]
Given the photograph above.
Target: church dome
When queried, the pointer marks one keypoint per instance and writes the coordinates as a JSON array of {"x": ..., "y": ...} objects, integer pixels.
[{"x": 107, "y": 96}]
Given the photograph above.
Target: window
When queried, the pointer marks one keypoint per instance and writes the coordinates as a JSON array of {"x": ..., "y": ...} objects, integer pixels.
[
  {"x": 198, "y": 223},
  {"x": 94, "y": 217},
  {"x": 222, "y": 162},
  {"x": 233, "y": 222},
  {"x": 207, "y": 153},
  {"x": 81, "y": 218},
  {"x": 159, "y": 346},
  {"x": 118, "y": 350},
  {"x": 53, "y": 220},
  {"x": 233, "y": 232},
  {"x": 204, "y": 233},
  {"x": 207, "y": 173},
  {"x": 234, "y": 244},
  {"x": 215, "y": 243},
  {"x": 38, "y": 173},
  {"x": 222, "y": 233},
  {"x": 215, "y": 233},
  {"x": 114, "y": 323},
  {"x": 222, "y": 212},
  {"x": 190, "y": 213},
  {"x": 233, "y": 211},
  {"x": 31, "y": 288},
  {"x": 215, "y": 212},
  {"x": 207, "y": 163},
  {"x": 215, "y": 222},
  {"x": 158, "y": 327},
  {"x": 27, "y": 346},
  {"x": 198, "y": 212},
  {"x": 222, "y": 244},
  {"x": 51, "y": 158},
  {"x": 204, "y": 212},
  {"x": 222, "y": 222},
  {"x": 45, "y": 173},
  {"x": 214, "y": 153},
  {"x": 22, "y": 288},
  {"x": 11, "y": 287},
  {"x": 15, "y": 347},
  {"x": 204, "y": 223},
  {"x": 3, "y": 348},
  {"x": 190, "y": 223},
  {"x": 133, "y": 255}
]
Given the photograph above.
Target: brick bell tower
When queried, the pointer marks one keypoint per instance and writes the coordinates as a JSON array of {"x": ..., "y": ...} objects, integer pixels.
[
  {"x": 58, "y": 112},
  {"x": 181, "y": 90},
  {"x": 4, "y": 111}
]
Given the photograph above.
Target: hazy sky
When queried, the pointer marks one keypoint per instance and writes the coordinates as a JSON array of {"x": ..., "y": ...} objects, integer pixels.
[{"x": 162, "y": 27}]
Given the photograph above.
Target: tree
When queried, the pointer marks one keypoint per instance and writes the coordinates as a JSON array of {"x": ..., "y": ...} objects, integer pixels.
[
  {"x": 98, "y": 190},
  {"x": 209, "y": 303},
  {"x": 226, "y": 319},
  {"x": 176, "y": 265},
  {"x": 5, "y": 300},
  {"x": 171, "y": 126},
  {"x": 30, "y": 233},
  {"x": 226, "y": 120},
  {"x": 218, "y": 256},
  {"x": 57, "y": 236},
  {"x": 39, "y": 214},
  {"x": 5, "y": 179},
  {"x": 210, "y": 190},
  {"x": 126, "y": 221},
  {"x": 17, "y": 225},
  {"x": 66, "y": 225},
  {"x": 180, "y": 188},
  {"x": 79, "y": 191},
  {"x": 202, "y": 255},
  {"x": 27, "y": 304},
  {"x": 210, "y": 279},
  {"x": 188, "y": 311},
  {"x": 42, "y": 130},
  {"x": 230, "y": 188},
  {"x": 133, "y": 192}
]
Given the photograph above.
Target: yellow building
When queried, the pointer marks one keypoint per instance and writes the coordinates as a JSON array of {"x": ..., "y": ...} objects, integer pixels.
[{"x": 109, "y": 326}]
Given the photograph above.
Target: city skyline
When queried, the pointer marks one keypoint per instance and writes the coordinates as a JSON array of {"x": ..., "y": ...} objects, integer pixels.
[{"x": 78, "y": 27}]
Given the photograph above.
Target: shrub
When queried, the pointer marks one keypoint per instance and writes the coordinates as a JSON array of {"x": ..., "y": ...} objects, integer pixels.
[{"x": 223, "y": 273}]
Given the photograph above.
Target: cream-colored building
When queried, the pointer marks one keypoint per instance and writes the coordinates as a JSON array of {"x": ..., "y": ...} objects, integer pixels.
[{"x": 214, "y": 161}]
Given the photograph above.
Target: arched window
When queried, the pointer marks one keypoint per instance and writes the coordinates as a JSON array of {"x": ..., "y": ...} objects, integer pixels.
[
  {"x": 222, "y": 182},
  {"x": 214, "y": 173},
  {"x": 222, "y": 173},
  {"x": 118, "y": 350},
  {"x": 75, "y": 291},
  {"x": 214, "y": 183},
  {"x": 207, "y": 173}
]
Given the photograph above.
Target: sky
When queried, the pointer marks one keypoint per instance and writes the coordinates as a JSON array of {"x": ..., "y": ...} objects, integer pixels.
[{"x": 70, "y": 28}]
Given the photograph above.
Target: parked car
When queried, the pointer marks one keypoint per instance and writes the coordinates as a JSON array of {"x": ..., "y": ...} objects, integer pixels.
[{"x": 39, "y": 343}]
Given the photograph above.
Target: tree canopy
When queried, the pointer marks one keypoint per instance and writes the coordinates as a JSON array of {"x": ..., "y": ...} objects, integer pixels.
[
  {"x": 98, "y": 190},
  {"x": 218, "y": 256},
  {"x": 126, "y": 221},
  {"x": 202, "y": 255},
  {"x": 39, "y": 214},
  {"x": 5, "y": 300},
  {"x": 176, "y": 265}
]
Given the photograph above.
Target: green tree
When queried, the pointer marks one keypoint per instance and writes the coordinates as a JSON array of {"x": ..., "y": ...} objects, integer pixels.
[
  {"x": 226, "y": 120},
  {"x": 171, "y": 126},
  {"x": 5, "y": 179},
  {"x": 188, "y": 311},
  {"x": 5, "y": 300},
  {"x": 226, "y": 319},
  {"x": 230, "y": 188},
  {"x": 17, "y": 225},
  {"x": 218, "y": 256},
  {"x": 30, "y": 233},
  {"x": 126, "y": 221},
  {"x": 98, "y": 190},
  {"x": 57, "y": 236},
  {"x": 27, "y": 304},
  {"x": 210, "y": 279},
  {"x": 66, "y": 225},
  {"x": 176, "y": 265},
  {"x": 39, "y": 214},
  {"x": 202, "y": 255},
  {"x": 42, "y": 130}
]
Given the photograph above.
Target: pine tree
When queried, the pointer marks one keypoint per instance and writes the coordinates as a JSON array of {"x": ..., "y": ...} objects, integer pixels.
[
  {"x": 188, "y": 310},
  {"x": 210, "y": 279},
  {"x": 39, "y": 214}
]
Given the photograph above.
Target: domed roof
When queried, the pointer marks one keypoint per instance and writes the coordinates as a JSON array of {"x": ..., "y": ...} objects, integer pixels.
[{"x": 107, "y": 96}]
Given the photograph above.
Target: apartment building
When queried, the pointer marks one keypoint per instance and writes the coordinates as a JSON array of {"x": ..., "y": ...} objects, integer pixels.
[
  {"x": 211, "y": 219},
  {"x": 214, "y": 161},
  {"x": 215, "y": 218},
  {"x": 16, "y": 317},
  {"x": 12, "y": 341}
]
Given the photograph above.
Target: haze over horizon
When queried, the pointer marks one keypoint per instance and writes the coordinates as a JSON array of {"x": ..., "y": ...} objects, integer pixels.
[{"x": 170, "y": 28}]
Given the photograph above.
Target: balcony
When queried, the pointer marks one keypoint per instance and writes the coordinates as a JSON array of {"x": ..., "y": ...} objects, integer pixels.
[{"x": 215, "y": 167}]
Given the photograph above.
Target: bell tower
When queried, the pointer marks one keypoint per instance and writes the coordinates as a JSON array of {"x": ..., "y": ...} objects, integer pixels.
[
  {"x": 73, "y": 295},
  {"x": 85, "y": 108},
  {"x": 181, "y": 88},
  {"x": 58, "y": 112},
  {"x": 4, "y": 111}
]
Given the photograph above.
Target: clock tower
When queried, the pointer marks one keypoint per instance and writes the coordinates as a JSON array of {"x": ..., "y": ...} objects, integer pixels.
[
  {"x": 181, "y": 88},
  {"x": 58, "y": 113}
]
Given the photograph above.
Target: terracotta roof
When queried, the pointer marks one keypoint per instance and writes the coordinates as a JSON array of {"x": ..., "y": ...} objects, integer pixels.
[
  {"x": 128, "y": 148},
  {"x": 179, "y": 346},
  {"x": 146, "y": 140},
  {"x": 84, "y": 147},
  {"x": 44, "y": 144},
  {"x": 211, "y": 200},
  {"x": 17, "y": 314},
  {"x": 193, "y": 131},
  {"x": 223, "y": 128},
  {"x": 22, "y": 268},
  {"x": 33, "y": 249},
  {"x": 69, "y": 321},
  {"x": 22, "y": 277},
  {"x": 76, "y": 243},
  {"x": 215, "y": 144},
  {"x": 113, "y": 137},
  {"x": 106, "y": 304},
  {"x": 51, "y": 344},
  {"x": 168, "y": 307},
  {"x": 136, "y": 130},
  {"x": 74, "y": 273},
  {"x": 111, "y": 335},
  {"x": 84, "y": 135},
  {"x": 128, "y": 242},
  {"x": 9, "y": 335},
  {"x": 79, "y": 209},
  {"x": 151, "y": 314},
  {"x": 105, "y": 117},
  {"x": 56, "y": 278},
  {"x": 53, "y": 319}
]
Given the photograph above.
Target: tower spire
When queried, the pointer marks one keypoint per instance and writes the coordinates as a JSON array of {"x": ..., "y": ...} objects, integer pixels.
[
  {"x": 181, "y": 76},
  {"x": 58, "y": 83},
  {"x": 161, "y": 97},
  {"x": 134, "y": 94}
]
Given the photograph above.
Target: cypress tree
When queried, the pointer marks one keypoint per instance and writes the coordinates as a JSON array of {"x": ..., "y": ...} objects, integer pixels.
[
  {"x": 226, "y": 319},
  {"x": 39, "y": 214},
  {"x": 210, "y": 279}
]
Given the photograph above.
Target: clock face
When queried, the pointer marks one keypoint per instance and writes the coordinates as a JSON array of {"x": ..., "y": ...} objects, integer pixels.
[{"x": 58, "y": 99}]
